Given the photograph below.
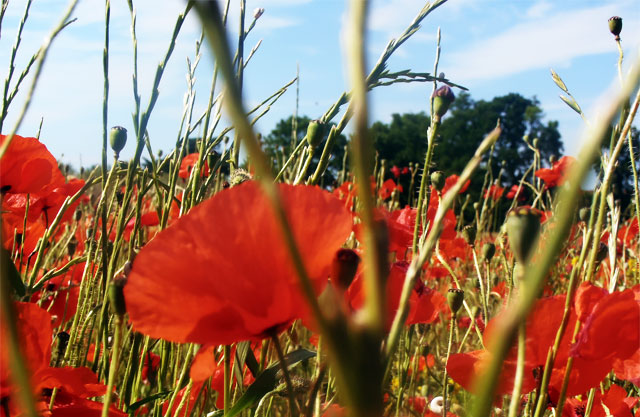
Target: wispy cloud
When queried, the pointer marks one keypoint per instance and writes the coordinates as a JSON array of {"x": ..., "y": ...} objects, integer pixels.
[{"x": 540, "y": 42}]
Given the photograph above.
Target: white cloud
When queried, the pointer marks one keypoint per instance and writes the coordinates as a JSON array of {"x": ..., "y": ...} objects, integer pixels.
[
  {"x": 539, "y": 9},
  {"x": 540, "y": 43}
]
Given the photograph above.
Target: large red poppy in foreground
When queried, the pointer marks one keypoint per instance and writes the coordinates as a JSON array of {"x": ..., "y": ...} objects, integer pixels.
[{"x": 222, "y": 273}]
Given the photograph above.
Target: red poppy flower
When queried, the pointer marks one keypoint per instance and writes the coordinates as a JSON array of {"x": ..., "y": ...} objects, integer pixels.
[
  {"x": 188, "y": 162},
  {"x": 388, "y": 187},
  {"x": 516, "y": 189},
  {"x": 494, "y": 192},
  {"x": 222, "y": 273},
  {"x": 556, "y": 174},
  {"x": 541, "y": 328},
  {"x": 74, "y": 384},
  {"x": 28, "y": 167},
  {"x": 395, "y": 171},
  {"x": 613, "y": 403},
  {"x": 451, "y": 181}
]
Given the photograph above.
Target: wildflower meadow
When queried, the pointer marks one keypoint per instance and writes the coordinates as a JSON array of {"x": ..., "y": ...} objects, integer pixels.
[{"x": 239, "y": 274}]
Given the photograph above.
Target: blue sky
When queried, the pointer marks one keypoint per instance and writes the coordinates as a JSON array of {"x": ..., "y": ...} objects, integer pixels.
[{"x": 493, "y": 47}]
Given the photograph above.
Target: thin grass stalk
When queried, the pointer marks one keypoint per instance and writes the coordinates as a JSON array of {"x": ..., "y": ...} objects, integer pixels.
[
  {"x": 514, "y": 404},
  {"x": 115, "y": 360},
  {"x": 42, "y": 56},
  {"x": 362, "y": 157},
  {"x": 6, "y": 99},
  {"x": 535, "y": 274}
]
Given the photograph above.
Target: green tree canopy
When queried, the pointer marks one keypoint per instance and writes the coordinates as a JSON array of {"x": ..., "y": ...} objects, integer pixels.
[{"x": 403, "y": 141}]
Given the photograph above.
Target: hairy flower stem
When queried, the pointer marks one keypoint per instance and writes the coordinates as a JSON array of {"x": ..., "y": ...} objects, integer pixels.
[
  {"x": 113, "y": 368},
  {"x": 446, "y": 362},
  {"x": 227, "y": 378},
  {"x": 422, "y": 198}
]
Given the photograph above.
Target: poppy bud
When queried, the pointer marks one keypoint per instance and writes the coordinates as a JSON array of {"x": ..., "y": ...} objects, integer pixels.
[
  {"x": 344, "y": 267},
  {"x": 116, "y": 296},
  {"x": 63, "y": 340},
  {"x": 71, "y": 246},
  {"x": 438, "y": 180},
  {"x": 455, "y": 298},
  {"x": 615, "y": 26},
  {"x": 257, "y": 12},
  {"x": 77, "y": 215},
  {"x": 602, "y": 252},
  {"x": 584, "y": 213},
  {"x": 117, "y": 139},
  {"x": 523, "y": 226},
  {"x": 488, "y": 250},
  {"x": 553, "y": 159},
  {"x": 442, "y": 99},
  {"x": 315, "y": 131},
  {"x": 469, "y": 234},
  {"x": 239, "y": 176}
]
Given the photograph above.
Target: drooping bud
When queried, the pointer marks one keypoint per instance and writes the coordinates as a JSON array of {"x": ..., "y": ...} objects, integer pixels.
[
  {"x": 344, "y": 267},
  {"x": 442, "y": 99},
  {"x": 488, "y": 250},
  {"x": 523, "y": 226},
  {"x": 615, "y": 26},
  {"x": 72, "y": 246},
  {"x": 455, "y": 298},
  {"x": 469, "y": 234},
  {"x": 77, "y": 215},
  {"x": 438, "y": 180},
  {"x": 117, "y": 139},
  {"x": 116, "y": 296}
]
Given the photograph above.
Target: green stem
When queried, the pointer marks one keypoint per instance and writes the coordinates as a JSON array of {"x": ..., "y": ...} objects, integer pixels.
[
  {"x": 293, "y": 408},
  {"x": 446, "y": 362},
  {"x": 113, "y": 368},
  {"x": 433, "y": 131},
  {"x": 519, "y": 377}
]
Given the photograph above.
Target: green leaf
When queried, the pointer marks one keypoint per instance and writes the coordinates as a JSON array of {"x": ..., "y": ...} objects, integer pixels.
[
  {"x": 12, "y": 273},
  {"x": 571, "y": 103},
  {"x": 558, "y": 81},
  {"x": 266, "y": 382},
  {"x": 133, "y": 407}
]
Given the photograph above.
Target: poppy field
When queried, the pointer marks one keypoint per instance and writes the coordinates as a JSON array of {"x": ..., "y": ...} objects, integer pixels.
[{"x": 217, "y": 281}]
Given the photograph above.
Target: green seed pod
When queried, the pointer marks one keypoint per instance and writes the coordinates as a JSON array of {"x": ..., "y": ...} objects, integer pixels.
[
  {"x": 315, "y": 132},
  {"x": 488, "y": 250},
  {"x": 523, "y": 227},
  {"x": 438, "y": 180},
  {"x": 116, "y": 296},
  {"x": 469, "y": 234},
  {"x": 344, "y": 268},
  {"x": 442, "y": 99},
  {"x": 584, "y": 214},
  {"x": 455, "y": 298},
  {"x": 615, "y": 26},
  {"x": 117, "y": 139}
]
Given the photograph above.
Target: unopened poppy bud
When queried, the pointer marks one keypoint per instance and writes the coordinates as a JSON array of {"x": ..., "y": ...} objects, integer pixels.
[
  {"x": 63, "y": 340},
  {"x": 116, "y": 295},
  {"x": 438, "y": 180},
  {"x": 455, "y": 298},
  {"x": 315, "y": 131},
  {"x": 442, "y": 99},
  {"x": 535, "y": 142},
  {"x": 117, "y": 139},
  {"x": 72, "y": 246},
  {"x": 239, "y": 176},
  {"x": 523, "y": 226},
  {"x": 257, "y": 12},
  {"x": 469, "y": 234},
  {"x": 615, "y": 26},
  {"x": 344, "y": 267},
  {"x": 602, "y": 252},
  {"x": 553, "y": 159},
  {"x": 77, "y": 215},
  {"x": 584, "y": 214},
  {"x": 488, "y": 250}
]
